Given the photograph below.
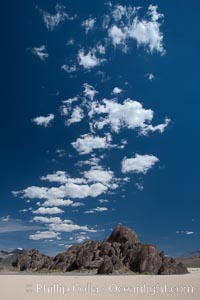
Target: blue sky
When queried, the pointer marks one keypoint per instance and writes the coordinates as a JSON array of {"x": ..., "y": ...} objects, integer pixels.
[{"x": 99, "y": 123}]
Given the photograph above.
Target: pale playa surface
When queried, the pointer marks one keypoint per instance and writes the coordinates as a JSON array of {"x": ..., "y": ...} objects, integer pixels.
[{"x": 13, "y": 287}]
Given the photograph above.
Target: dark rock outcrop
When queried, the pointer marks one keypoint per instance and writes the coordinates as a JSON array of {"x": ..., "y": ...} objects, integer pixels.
[
  {"x": 119, "y": 253},
  {"x": 32, "y": 260},
  {"x": 170, "y": 266},
  {"x": 107, "y": 266},
  {"x": 66, "y": 261},
  {"x": 122, "y": 234},
  {"x": 147, "y": 260}
]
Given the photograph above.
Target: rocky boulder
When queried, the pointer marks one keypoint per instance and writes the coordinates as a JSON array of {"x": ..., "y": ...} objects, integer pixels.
[
  {"x": 66, "y": 262},
  {"x": 147, "y": 260},
  {"x": 122, "y": 234},
  {"x": 87, "y": 256},
  {"x": 170, "y": 266},
  {"x": 32, "y": 260},
  {"x": 107, "y": 266}
]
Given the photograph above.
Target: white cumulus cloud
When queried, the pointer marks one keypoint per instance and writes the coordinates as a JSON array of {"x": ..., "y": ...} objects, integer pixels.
[
  {"x": 95, "y": 210},
  {"x": 67, "y": 106},
  {"x": 81, "y": 238},
  {"x": 70, "y": 42},
  {"x": 150, "y": 76},
  {"x": 62, "y": 177},
  {"x": 48, "y": 211},
  {"x": 89, "y": 60},
  {"x": 87, "y": 143},
  {"x": 70, "y": 227},
  {"x": 101, "y": 49},
  {"x": 139, "y": 163},
  {"x": 76, "y": 117},
  {"x": 146, "y": 31},
  {"x": 160, "y": 127},
  {"x": 40, "y": 52},
  {"x": 57, "y": 202},
  {"x": 40, "y": 235},
  {"x": 117, "y": 90},
  {"x": 52, "y": 21},
  {"x": 98, "y": 174},
  {"x": 117, "y": 35},
  {"x": 130, "y": 114},
  {"x": 89, "y": 91},
  {"x": 70, "y": 190},
  {"x": 84, "y": 191},
  {"x": 69, "y": 69},
  {"x": 89, "y": 24},
  {"x": 77, "y": 204},
  {"x": 47, "y": 220},
  {"x": 119, "y": 12},
  {"x": 44, "y": 121},
  {"x": 103, "y": 201}
]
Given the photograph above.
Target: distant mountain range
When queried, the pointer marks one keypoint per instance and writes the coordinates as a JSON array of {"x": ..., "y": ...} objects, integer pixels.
[
  {"x": 190, "y": 259},
  {"x": 192, "y": 254},
  {"x": 7, "y": 258}
]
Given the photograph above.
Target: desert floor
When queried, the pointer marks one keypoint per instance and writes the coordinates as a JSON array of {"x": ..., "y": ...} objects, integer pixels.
[{"x": 15, "y": 286}]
